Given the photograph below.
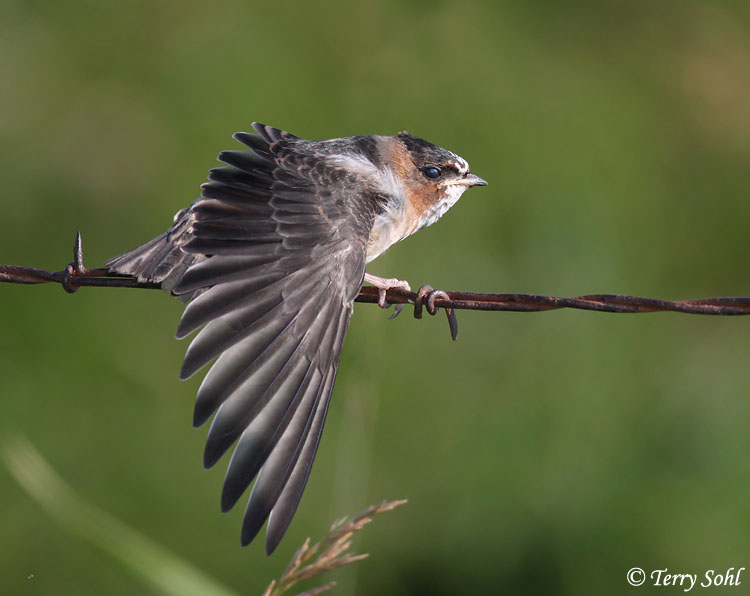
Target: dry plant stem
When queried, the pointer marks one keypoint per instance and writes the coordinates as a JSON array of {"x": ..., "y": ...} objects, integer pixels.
[
  {"x": 76, "y": 275},
  {"x": 318, "y": 590},
  {"x": 329, "y": 553}
]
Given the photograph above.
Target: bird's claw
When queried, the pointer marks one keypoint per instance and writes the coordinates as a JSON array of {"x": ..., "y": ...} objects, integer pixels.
[
  {"x": 425, "y": 297},
  {"x": 397, "y": 308},
  {"x": 383, "y": 284}
]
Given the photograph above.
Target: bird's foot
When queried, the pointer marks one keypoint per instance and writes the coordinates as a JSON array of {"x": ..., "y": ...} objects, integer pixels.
[{"x": 383, "y": 284}]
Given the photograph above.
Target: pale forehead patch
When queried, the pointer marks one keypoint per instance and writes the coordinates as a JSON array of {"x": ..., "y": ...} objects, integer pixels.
[{"x": 460, "y": 164}]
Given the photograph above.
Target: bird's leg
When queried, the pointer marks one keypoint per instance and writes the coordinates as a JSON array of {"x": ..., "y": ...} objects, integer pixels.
[{"x": 383, "y": 284}]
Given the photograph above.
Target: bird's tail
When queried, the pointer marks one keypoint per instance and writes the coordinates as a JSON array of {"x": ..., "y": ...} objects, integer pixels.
[{"x": 160, "y": 260}]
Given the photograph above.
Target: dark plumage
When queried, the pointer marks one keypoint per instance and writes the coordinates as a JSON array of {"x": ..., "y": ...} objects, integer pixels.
[{"x": 270, "y": 259}]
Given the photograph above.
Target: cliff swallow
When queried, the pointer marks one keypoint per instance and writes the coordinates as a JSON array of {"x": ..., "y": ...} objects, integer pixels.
[{"x": 270, "y": 259}]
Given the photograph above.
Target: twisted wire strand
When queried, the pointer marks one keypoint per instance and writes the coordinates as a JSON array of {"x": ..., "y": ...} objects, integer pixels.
[{"x": 76, "y": 275}]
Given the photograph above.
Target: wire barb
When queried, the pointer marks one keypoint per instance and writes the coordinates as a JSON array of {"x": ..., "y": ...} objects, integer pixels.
[
  {"x": 426, "y": 295},
  {"x": 73, "y": 276},
  {"x": 76, "y": 275},
  {"x": 615, "y": 303}
]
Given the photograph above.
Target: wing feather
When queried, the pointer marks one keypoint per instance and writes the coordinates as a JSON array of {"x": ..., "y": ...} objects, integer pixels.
[
  {"x": 257, "y": 384},
  {"x": 274, "y": 299},
  {"x": 288, "y": 501},
  {"x": 274, "y": 473},
  {"x": 261, "y": 435},
  {"x": 285, "y": 458},
  {"x": 228, "y": 280},
  {"x": 236, "y": 366},
  {"x": 270, "y": 258},
  {"x": 257, "y": 181}
]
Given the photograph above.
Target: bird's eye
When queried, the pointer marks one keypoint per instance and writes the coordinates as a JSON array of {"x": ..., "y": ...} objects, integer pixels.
[{"x": 431, "y": 172}]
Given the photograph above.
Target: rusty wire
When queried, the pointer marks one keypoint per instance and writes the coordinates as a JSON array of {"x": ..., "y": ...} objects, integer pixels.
[{"x": 76, "y": 275}]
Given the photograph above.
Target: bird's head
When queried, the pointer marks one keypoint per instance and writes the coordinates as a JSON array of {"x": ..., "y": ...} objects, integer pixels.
[{"x": 432, "y": 177}]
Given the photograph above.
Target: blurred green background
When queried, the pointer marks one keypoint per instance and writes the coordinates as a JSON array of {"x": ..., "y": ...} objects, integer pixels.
[{"x": 542, "y": 453}]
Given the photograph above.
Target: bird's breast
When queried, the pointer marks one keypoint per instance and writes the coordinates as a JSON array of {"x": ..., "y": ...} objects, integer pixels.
[{"x": 395, "y": 222}]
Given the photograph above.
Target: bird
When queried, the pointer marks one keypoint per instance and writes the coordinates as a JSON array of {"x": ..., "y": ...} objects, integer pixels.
[{"x": 269, "y": 260}]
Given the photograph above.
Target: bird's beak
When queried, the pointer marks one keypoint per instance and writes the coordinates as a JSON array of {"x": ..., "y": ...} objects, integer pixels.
[
  {"x": 468, "y": 180},
  {"x": 474, "y": 180}
]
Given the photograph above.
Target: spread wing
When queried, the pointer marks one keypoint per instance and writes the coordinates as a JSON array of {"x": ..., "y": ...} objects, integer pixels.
[{"x": 278, "y": 256}]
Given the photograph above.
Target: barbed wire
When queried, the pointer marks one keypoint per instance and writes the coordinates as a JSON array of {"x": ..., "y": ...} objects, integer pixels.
[{"x": 76, "y": 275}]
